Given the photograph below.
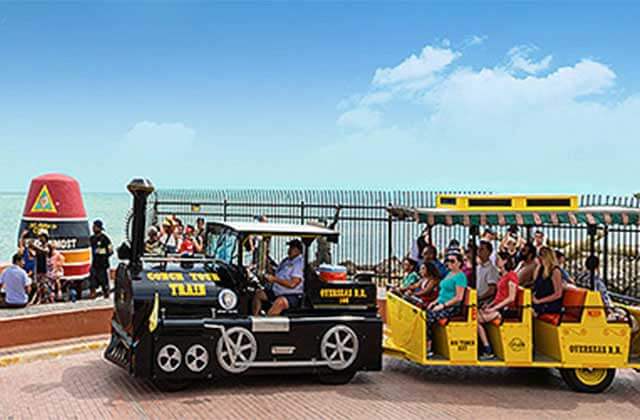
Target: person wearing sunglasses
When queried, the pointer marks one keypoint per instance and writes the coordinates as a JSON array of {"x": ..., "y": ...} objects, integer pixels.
[{"x": 450, "y": 296}]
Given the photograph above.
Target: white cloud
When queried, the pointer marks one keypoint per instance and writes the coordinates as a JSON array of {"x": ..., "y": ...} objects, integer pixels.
[
  {"x": 476, "y": 40},
  {"x": 415, "y": 68},
  {"x": 360, "y": 118},
  {"x": 519, "y": 60},
  {"x": 566, "y": 127}
]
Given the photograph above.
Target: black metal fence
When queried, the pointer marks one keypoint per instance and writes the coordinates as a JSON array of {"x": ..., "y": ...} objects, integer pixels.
[{"x": 372, "y": 240}]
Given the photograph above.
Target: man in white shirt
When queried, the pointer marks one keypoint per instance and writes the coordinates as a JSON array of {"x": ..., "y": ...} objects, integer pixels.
[
  {"x": 16, "y": 284},
  {"x": 486, "y": 273}
]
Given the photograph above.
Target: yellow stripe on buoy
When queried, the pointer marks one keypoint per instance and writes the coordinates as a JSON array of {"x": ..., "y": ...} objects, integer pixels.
[{"x": 77, "y": 256}]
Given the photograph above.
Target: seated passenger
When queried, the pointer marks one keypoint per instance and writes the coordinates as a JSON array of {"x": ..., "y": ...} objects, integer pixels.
[
  {"x": 467, "y": 265},
  {"x": 430, "y": 254},
  {"x": 410, "y": 275},
  {"x": 189, "y": 246},
  {"x": 592, "y": 264},
  {"x": 486, "y": 274},
  {"x": 450, "y": 297},
  {"x": 152, "y": 245},
  {"x": 567, "y": 280},
  {"x": 502, "y": 304},
  {"x": 285, "y": 288},
  {"x": 425, "y": 290},
  {"x": 527, "y": 266},
  {"x": 548, "y": 287}
]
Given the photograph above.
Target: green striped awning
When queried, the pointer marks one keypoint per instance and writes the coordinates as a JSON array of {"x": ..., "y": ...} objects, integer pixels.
[{"x": 582, "y": 216}]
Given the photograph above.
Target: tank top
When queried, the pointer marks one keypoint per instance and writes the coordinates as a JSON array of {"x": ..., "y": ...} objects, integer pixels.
[{"x": 542, "y": 288}]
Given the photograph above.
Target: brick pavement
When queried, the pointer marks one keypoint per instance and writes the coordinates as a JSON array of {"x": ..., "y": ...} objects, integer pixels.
[{"x": 83, "y": 386}]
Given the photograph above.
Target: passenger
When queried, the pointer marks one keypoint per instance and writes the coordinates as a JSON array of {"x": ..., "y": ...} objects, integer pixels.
[
  {"x": 453, "y": 247},
  {"x": 467, "y": 268},
  {"x": 450, "y": 297},
  {"x": 200, "y": 230},
  {"x": 425, "y": 290},
  {"x": 539, "y": 240},
  {"x": 418, "y": 246},
  {"x": 152, "y": 245},
  {"x": 430, "y": 254},
  {"x": 511, "y": 242},
  {"x": 188, "y": 246},
  {"x": 502, "y": 304},
  {"x": 285, "y": 288},
  {"x": 168, "y": 238},
  {"x": 410, "y": 275},
  {"x": 566, "y": 277},
  {"x": 614, "y": 313},
  {"x": 548, "y": 287},
  {"x": 490, "y": 235},
  {"x": 16, "y": 284},
  {"x": 487, "y": 274},
  {"x": 527, "y": 265}
]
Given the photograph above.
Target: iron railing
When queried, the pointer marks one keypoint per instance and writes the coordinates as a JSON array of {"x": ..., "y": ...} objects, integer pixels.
[{"x": 372, "y": 240}]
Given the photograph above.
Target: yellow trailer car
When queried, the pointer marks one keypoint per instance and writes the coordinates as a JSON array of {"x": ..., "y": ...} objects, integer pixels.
[{"x": 581, "y": 342}]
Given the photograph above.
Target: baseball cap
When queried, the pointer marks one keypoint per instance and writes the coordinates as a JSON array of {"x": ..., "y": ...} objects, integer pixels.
[
  {"x": 297, "y": 243},
  {"x": 98, "y": 223}
]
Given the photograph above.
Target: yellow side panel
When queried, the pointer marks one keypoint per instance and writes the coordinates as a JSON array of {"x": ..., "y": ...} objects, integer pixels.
[
  {"x": 406, "y": 330},
  {"x": 594, "y": 341},
  {"x": 512, "y": 341},
  {"x": 458, "y": 341}
]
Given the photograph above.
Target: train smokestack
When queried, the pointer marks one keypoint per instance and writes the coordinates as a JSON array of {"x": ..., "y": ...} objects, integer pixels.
[{"x": 140, "y": 189}]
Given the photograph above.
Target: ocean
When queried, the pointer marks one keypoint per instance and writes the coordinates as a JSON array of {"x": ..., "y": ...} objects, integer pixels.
[{"x": 112, "y": 208}]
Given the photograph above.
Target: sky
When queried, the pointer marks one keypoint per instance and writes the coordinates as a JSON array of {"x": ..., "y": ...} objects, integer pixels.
[{"x": 524, "y": 97}]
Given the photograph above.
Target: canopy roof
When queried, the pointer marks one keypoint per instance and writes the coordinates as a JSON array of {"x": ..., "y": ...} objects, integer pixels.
[
  {"x": 584, "y": 215},
  {"x": 278, "y": 229}
]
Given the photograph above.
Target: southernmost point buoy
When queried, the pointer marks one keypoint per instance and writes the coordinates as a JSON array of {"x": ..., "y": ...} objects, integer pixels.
[{"x": 54, "y": 204}]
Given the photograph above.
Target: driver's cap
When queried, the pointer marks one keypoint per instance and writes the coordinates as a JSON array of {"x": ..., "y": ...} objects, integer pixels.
[{"x": 296, "y": 243}]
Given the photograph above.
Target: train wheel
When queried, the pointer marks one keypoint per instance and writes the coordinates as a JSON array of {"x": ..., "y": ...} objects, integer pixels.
[{"x": 588, "y": 380}]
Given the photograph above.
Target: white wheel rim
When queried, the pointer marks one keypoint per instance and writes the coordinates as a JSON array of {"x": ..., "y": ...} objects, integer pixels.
[
  {"x": 339, "y": 347},
  {"x": 236, "y": 350},
  {"x": 169, "y": 358},
  {"x": 196, "y": 358}
]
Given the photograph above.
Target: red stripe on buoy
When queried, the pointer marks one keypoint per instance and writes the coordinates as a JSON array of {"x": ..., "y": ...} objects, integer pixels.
[{"x": 77, "y": 270}]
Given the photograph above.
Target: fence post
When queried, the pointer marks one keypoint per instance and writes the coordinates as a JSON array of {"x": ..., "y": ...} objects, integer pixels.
[
  {"x": 302, "y": 212},
  {"x": 224, "y": 210},
  {"x": 389, "y": 246},
  {"x": 605, "y": 254}
]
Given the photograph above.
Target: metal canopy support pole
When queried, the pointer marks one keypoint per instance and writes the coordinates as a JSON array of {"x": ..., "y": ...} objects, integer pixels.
[
  {"x": 474, "y": 230},
  {"x": 389, "y": 245},
  {"x": 592, "y": 230},
  {"x": 605, "y": 254}
]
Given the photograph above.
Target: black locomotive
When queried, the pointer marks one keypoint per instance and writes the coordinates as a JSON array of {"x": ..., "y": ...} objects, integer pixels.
[{"x": 177, "y": 320}]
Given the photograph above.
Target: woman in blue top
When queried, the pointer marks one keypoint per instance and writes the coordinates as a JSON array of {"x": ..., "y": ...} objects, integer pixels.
[{"x": 450, "y": 296}]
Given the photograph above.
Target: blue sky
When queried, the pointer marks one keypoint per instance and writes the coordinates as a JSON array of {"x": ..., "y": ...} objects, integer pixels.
[{"x": 536, "y": 97}]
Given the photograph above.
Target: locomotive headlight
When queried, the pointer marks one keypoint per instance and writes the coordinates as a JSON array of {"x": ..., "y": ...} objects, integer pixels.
[{"x": 227, "y": 299}]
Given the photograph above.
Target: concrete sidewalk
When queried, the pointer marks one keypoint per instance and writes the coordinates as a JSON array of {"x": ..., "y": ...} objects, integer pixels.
[{"x": 84, "y": 386}]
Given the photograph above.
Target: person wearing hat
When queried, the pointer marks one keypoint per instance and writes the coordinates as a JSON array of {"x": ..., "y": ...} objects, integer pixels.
[
  {"x": 101, "y": 250},
  {"x": 285, "y": 288}
]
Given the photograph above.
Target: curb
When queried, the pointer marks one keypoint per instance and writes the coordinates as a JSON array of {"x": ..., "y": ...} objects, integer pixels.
[{"x": 51, "y": 353}]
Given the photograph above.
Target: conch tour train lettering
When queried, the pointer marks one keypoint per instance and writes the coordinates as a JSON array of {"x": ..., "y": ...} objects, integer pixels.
[{"x": 223, "y": 305}]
